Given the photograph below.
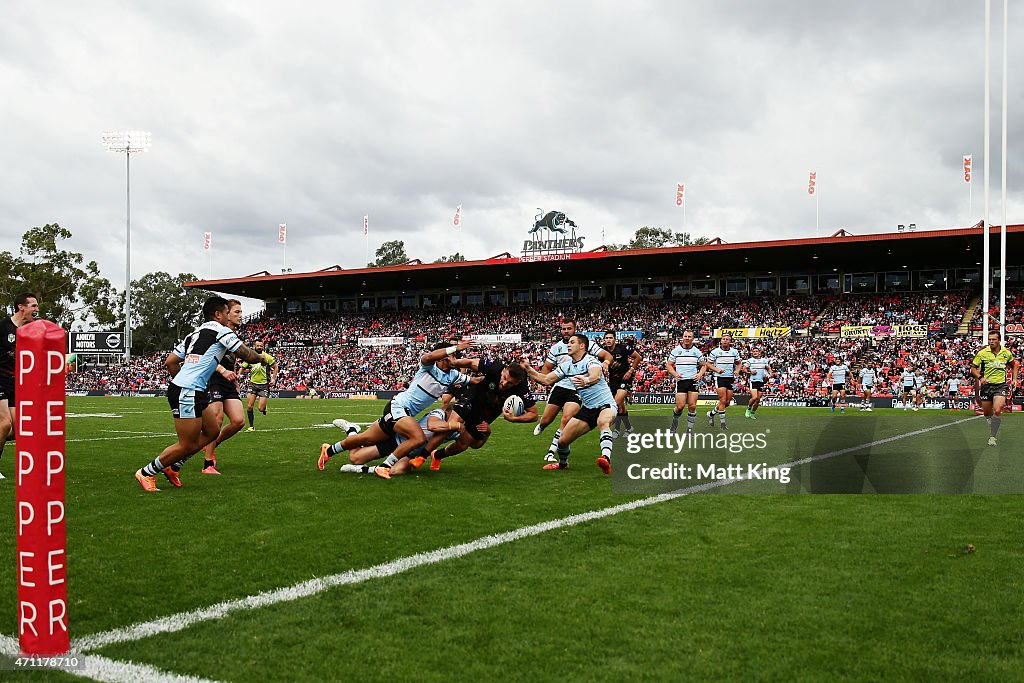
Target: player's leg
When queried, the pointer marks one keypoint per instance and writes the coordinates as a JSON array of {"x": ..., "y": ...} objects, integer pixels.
[
  {"x": 681, "y": 397},
  {"x": 751, "y": 403},
  {"x": 263, "y": 404},
  {"x": 209, "y": 450},
  {"x": 842, "y": 400},
  {"x": 569, "y": 410},
  {"x": 236, "y": 420},
  {"x": 189, "y": 431},
  {"x": 6, "y": 426},
  {"x": 250, "y": 401},
  {"x": 604, "y": 420},
  {"x": 574, "y": 429},
  {"x": 548, "y": 416},
  {"x": 410, "y": 429},
  {"x": 727, "y": 400},
  {"x": 719, "y": 409},
  {"x": 620, "y": 402},
  {"x": 691, "y": 410},
  {"x": 997, "y": 404}
]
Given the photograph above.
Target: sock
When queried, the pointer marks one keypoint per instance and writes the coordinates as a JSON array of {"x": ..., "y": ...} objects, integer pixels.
[
  {"x": 181, "y": 463},
  {"x": 625, "y": 421},
  {"x": 721, "y": 417},
  {"x": 251, "y": 416},
  {"x": 691, "y": 418},
  {"x": 606, "y": 444},
  {"x": 616, "y": 423},
  {"x": 335, "y": 449},
  {"x": 263, "y": 410},
  {"x": 675, "y": 419},
  {"x": 207, "y": 463},
  {"x": 390, "y": 461},
  {"x": 563, "y": 456},
  {"x": 994, "y": 425},
  {"x": 154, "y": 468},
  {"x": 554, "y": 442}
]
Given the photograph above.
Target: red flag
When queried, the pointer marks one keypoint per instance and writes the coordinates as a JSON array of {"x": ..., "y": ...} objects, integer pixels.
[
  {"x": 366, "y": 225},
  {"x": 811, "y": 182},
  {"x": 207, "y": 240},
  {"x": 458, "y": 215},
  {"x": 679, "y": 194},
  {"x": 282, "y": 233},
  {"x": 967, "y": 168}
]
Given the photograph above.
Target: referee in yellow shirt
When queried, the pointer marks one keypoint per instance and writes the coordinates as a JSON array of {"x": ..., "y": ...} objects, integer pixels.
[
  {"x": 989, "y": 368},
  {"x": 259, "y": 384}
]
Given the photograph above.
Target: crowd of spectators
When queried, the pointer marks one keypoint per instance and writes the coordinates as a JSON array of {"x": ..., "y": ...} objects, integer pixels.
[{"x": 320, "y": 351}]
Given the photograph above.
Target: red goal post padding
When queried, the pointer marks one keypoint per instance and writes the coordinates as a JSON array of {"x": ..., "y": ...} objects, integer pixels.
[{"x": 42, "y": 541}]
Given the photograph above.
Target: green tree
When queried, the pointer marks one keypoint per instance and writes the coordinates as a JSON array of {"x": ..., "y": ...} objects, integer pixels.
[
  {"x": 456, "y": 257},
  {"x": 654, "y": 238},
  {"x": 163, "y": 311},
  {"x": 390, "y": 254},
  {"x": 67, "y": 290}
]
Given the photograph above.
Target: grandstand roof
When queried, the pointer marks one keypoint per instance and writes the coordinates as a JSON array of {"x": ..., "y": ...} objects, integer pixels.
[{"x": 959, "y": 247}]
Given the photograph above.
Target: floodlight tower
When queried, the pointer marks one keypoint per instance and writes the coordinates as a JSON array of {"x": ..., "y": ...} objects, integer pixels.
[{"x": 128, "y": 142}]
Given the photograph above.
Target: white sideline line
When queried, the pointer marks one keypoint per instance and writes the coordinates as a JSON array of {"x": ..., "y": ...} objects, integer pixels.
[
  {"x": 100, "y": 668},
  {"x": 183, "y": 620}
]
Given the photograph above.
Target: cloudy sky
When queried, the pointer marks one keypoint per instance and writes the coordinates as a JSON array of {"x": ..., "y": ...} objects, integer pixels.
[{"x": 314, "y": 114}]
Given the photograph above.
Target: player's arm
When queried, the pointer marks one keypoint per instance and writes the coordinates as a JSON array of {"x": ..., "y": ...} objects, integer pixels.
[
  {"x": 670, "y": 365},
  {"x": 976, "y": 371},
  {"x": 546, "y": 378},
  {"x": 249, "y": 356},
  {"x": 529, "y": 415},
  {"x": 634, "y": 363},
  {"x": 744, "y": 370},
  {"x": 225, "y": 373},
  {"x": 439, "y": 425},
  {"x": 708, "y": 365},
  {"x": 434, "y": 356},
  {"x": 471, "y": 363},
  {"x": 593, "y": 376},
  {"x": 173, "y": 363},
  {"x": 273, "y": 368}
]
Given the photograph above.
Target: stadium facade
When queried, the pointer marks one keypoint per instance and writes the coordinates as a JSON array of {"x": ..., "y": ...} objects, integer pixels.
[{"x": 932, "y": 260}]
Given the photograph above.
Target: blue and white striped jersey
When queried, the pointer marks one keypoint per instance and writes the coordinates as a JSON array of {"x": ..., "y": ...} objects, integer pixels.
[
  {"x": 201, "y": 351},
  {"x": 757, "y": 366},
  {"x": 594, "y": 395},
  {"x": 427, "y": 386},
  {"x": 839, "y": 371},
  {"x": 559, "y": 351},
  {"x": 725, "y": 360},
  {"x": 686, "y": 361},
  {"x": 909, "y": 378},
  {"x": 438, "y": 413},
  {"x": 867, "y": 377}
]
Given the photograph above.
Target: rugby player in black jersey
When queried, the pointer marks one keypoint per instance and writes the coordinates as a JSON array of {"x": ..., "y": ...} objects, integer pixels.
[{"x": 621, "y": 371}]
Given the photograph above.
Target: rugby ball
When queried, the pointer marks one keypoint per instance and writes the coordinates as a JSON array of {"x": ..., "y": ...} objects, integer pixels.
[{"x": 514, "y": 405}]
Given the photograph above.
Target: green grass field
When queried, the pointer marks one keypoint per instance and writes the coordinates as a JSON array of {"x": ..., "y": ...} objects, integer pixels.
[{"x": 775, "y": 587}]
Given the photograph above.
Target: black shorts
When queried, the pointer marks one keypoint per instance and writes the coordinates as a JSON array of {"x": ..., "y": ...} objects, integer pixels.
[
  {"x": 220, "y": 393},
  {"x": 990, "y": 391},
  {"x": 590, "y": 415},
  {"x": 759, "y": 386},
  {"x": 187, "y": 403},
  {"x": 724, "y": 382},
  {"x": 617, "y": 383},
  {"x": 471, "y": 418},
  {"x": 7, "y": 391},
  {"x": 387, "y": 420},
  {"x": 386, "y": 447},
  {"x": 560, "y": 396},
  {"x": 839, "y": 387},
  {"x": 686, "y": 386},
  {"x": 260, "y": 390},
  {"x": 909, "y": 390}
]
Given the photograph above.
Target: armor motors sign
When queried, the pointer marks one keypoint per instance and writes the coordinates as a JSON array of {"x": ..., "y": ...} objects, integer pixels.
[{"x": 96, "y": 342}]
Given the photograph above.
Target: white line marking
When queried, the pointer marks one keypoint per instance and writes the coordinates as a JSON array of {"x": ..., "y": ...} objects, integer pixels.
[
  {"x": 101, "y": 668},
  {"x": 183, "y": 620}
]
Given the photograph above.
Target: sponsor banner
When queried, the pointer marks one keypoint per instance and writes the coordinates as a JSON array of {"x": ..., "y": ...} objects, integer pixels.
[
  {"x": 619, "y": 334},
  {"x": 294, "y": 344},
  {"x": 905, "y": 331},
  {"x": 96, "y": 342},
  {"x": 752, "y": 332},
  {"x": 1014, "y": 328},
  {"x": 494, "y": 338},
  {"x": 545, "y": 257},
  {"x": 381, "y": 341}
]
